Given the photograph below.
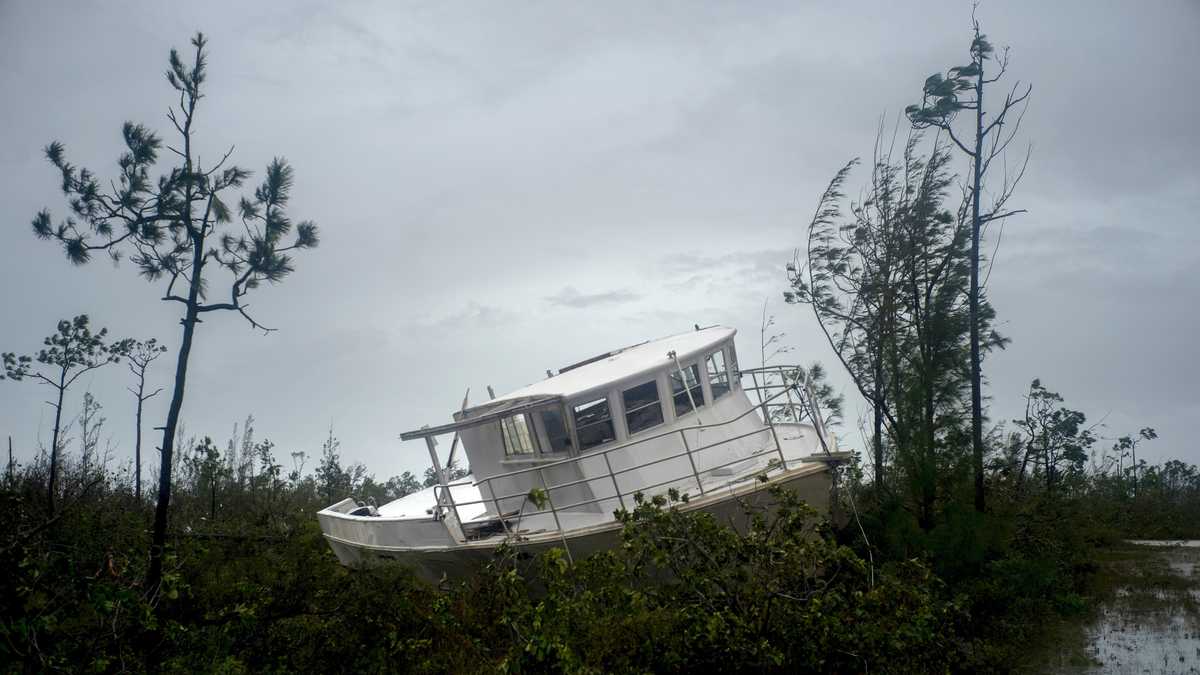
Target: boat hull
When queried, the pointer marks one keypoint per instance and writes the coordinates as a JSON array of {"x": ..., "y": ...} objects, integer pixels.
[{"x": 811, "y": 481}]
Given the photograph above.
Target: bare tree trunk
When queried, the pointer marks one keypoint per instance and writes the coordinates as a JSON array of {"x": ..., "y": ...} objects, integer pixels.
[
  {"x": 137, "y": 445},
  {"x": 976, "y": 370},
  {"x": 154, "y": 576},
  {"x": 1133, "y": 450},
  {"x": 62, "y": 389}
]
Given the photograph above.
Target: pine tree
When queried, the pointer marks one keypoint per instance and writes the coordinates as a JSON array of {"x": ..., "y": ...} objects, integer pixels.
[
  {"x": 944, "y": 96},
  {"x": 70, "y": 353},
  {"x": 887, "y": 283},
  {"x": 179, "y": 230},
  {"x": 141, "y": 353}
]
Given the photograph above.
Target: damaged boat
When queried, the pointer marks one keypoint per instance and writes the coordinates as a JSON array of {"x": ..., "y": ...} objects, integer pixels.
[{"x": 552, "y": 462}]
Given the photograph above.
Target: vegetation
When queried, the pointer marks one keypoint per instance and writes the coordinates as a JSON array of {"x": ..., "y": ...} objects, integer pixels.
[
  {"x": 176, "y": 229},
  {"x": 226, "y": 570},
  {"x": 250, "y": 584},
  {"x": 70, "y": 353}
]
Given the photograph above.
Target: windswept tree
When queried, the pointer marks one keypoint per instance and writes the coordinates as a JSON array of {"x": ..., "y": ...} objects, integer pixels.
[
  {"x": 962, "y": 88},
  {"x": 179, "y": 230},
  {"x": 887, "y": 284},
  {"x": 73, "y": 351},
  {"x": 140, "y": 354},
  {"x": 927, "y": 368},
  {"x": 1053, "y": 435},
  {"x": 1127, "y": 445},
  {"x": 848, "y": 273},
  {"x": 824, "y": 276}
]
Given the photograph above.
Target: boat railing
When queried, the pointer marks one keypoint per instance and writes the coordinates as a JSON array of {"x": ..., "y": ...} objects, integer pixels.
[
  {"x": 792, "y": 390},
  {"x": 768, "y": 381}
]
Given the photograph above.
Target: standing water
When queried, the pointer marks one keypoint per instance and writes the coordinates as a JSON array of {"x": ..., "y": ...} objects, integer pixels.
[{"x": 1151, "y": 621}]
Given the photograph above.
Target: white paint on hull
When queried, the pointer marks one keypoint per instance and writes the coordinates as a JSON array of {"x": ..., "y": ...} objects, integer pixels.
[{"x": 810, "y": 481}]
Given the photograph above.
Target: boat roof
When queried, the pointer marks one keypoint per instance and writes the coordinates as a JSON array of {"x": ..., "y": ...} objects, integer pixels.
[
  {"x": 620, "y": 364},
  {"x": 584, "y": 376},
  {"x": 504, "y": 409}
]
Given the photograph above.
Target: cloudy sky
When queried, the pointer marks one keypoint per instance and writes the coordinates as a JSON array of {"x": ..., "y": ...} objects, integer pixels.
[{"x": 509, "y": 187}]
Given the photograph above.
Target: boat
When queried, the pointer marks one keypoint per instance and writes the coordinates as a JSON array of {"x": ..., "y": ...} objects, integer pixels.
[{"x": 552, "y": 463}]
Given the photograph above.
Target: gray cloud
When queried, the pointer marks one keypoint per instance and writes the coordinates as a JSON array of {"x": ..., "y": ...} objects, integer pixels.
[
  {"x": 473, "y": 316},
  {"x": 467, "y": 161},
  {"x": 569, "y": 296}
]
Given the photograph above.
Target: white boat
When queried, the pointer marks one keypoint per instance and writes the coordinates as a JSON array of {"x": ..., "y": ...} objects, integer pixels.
[{"x": 553, "y": 461}]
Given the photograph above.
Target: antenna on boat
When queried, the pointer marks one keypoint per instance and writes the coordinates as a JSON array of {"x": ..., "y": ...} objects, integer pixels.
[
  {"x": 683, "y": 381},
  {"x": 491, "y": 393}
]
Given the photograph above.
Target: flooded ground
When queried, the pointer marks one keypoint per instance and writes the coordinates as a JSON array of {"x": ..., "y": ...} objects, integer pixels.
[{"x": 1148, "y": 620}]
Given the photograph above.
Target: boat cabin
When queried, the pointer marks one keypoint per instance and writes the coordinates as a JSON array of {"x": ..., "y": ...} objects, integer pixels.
[{"x": 588, "y": 409}]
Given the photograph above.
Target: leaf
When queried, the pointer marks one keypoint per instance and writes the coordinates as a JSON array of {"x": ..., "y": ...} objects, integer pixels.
[
  {"x": 538, "y": 497},
  {"x": 41, "y": 225},
  {"x": 220, "y": 211},
  {"x": 306, "y": 235}
]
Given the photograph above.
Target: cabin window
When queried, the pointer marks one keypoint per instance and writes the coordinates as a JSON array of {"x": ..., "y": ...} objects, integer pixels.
[
  {"x": 682, "y": 386},
  {"x": 518, "y": 435},
  {"x": 593, "y": 423},
  {"x": 556, "y": 431},
  {"x": 642, "y": 407},
  {"x": 718, "y": 376}
]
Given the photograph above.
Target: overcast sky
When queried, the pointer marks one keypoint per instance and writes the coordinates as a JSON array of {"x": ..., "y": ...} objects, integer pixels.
[{"x": 509, "y": 187}]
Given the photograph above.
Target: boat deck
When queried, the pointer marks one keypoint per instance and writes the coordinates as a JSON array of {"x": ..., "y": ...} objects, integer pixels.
[{"x": 799, "y": 443}]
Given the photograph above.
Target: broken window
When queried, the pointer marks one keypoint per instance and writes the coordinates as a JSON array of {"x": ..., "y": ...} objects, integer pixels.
[{"x": 518, "y": 435}]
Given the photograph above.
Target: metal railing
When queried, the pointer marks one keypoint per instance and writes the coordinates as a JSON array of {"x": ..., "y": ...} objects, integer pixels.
[
  {"x": 769, "y": 379},
  {"x": 795, "y": 395}
]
